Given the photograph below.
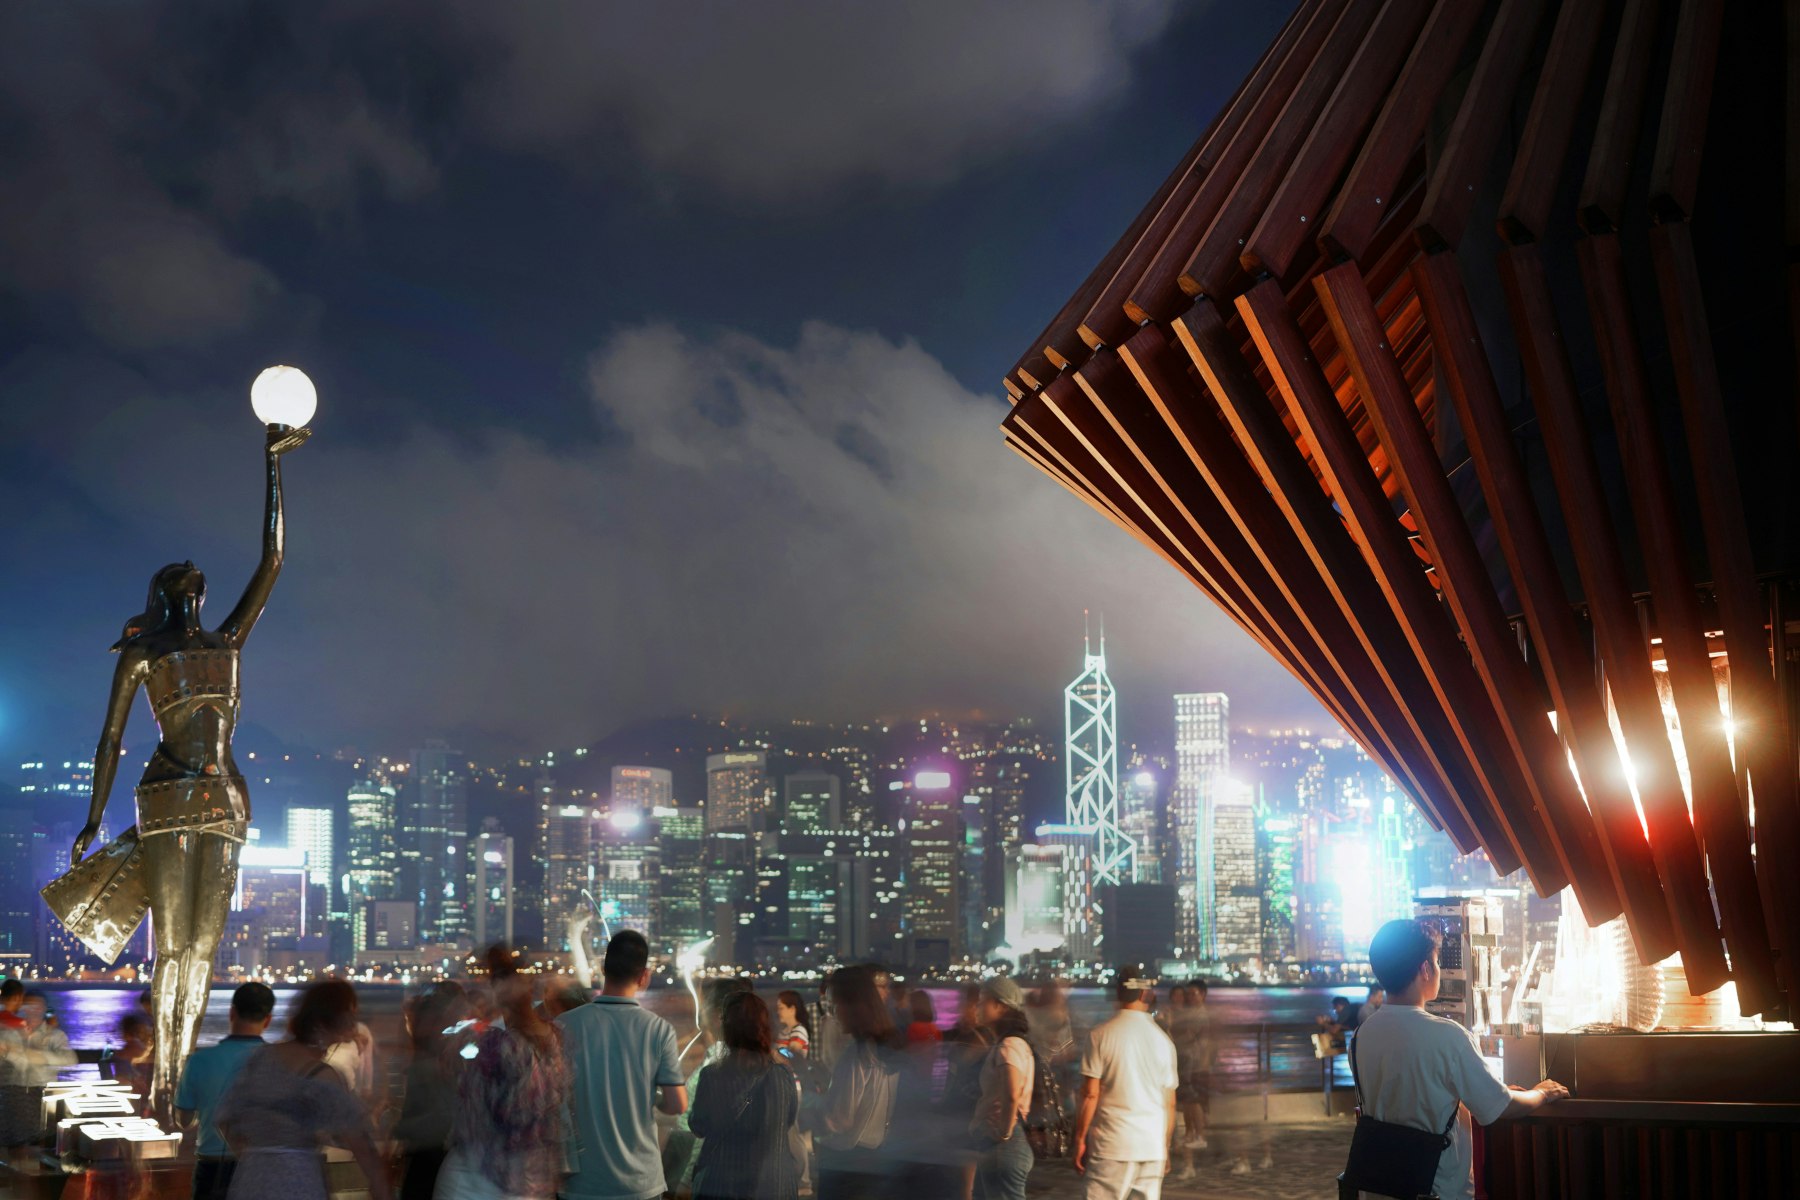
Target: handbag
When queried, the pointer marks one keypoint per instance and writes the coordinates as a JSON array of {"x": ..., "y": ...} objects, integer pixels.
[
  {"x": 1387, "y": 1159},
  {"x": 103, "y": 898}
]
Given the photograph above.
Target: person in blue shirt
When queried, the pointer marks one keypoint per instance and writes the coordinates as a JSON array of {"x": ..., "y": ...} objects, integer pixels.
[{"x": 206, "y": 1077}]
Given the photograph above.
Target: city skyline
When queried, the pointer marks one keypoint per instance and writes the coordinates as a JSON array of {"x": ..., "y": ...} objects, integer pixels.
[{"x": 915, "y": 852}]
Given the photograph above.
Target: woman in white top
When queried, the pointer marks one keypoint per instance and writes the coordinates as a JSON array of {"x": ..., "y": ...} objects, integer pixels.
[
  {"x": 1007, "y": 1074},
  {"x": 850, "y": 1121}
]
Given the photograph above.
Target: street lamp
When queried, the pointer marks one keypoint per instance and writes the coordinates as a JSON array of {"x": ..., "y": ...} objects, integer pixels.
[{"x": 284, "y": 396}]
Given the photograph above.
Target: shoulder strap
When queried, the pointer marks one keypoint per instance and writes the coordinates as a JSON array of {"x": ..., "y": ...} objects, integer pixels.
[{"x": 1455, "y": 1106}]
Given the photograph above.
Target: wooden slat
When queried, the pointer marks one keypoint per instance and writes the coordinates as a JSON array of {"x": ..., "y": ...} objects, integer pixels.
[
  {"x": 1192, "y": 515},
  {"x": 1615, "y": 134},
  {"x": 1515, "y": 694},
  {"x": 1675, "y": 171},
  {"x": 1340, "y": 564},
  {"x": 1762, "y": 735},
  {"x": 1367, "y": 197},
  {"x": 1543, "y": 147},
  {"x": 1134, "y": 492},
  {"x": 1563, "y": 652},
  {"x": 1537, "y": 330},
  {"x": 1106, "y": 321},
  {"x": 1468, "y": 717},
  {"x": 1291, "y": 220},
  {"x": 1485, "y": 109},
  {"x": 1269, "y": 545},
  {"x": 1024, "y": 444},
  {"x": 1157, "y": 295},
  {"x": 1214, "y": 262},
  {"x": 1045, "y": 435},
  {"x": 1718, "y": 811}
]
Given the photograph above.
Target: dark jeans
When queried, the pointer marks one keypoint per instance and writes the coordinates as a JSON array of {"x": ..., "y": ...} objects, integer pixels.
[
  {"x": 860, "y": 1174},
  {"x": 212, "y": 1177},
  {"x": 422, "y": 1167},
  {"x": 1001, "y": 1173}
]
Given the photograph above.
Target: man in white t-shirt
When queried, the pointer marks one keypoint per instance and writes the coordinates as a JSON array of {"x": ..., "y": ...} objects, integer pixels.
[
  {"x": 1127, "y": 1100},
  {"x": 1417, "y": 1069}
]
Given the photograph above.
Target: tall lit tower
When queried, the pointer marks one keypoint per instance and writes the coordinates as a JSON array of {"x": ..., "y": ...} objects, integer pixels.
[
  {"x": 1202, "y": 758},
  {"x": 1091, "y": 766}
]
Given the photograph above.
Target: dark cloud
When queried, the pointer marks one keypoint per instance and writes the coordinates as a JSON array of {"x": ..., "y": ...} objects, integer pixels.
[
  {"x": 505, "y": 588},
  {"x": 775, "y": 101}
]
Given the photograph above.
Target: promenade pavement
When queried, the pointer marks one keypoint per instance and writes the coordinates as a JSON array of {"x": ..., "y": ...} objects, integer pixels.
[{"x": 1294, "y": 1156}]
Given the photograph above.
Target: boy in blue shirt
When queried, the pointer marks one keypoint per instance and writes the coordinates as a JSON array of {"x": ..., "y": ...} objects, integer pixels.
[{"x": 205, "y": 1079}]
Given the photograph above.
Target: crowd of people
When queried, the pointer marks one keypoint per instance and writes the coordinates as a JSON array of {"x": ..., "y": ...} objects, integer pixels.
[{"x": 527, "y": 1087}]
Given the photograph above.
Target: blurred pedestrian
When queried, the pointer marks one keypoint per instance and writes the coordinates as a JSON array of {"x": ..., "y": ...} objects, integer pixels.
[
  {"x": 134, "y": 1060},
  {"x": 206, "y": 1077},
  {"x": 287, "y": 1102},
  {"x": 796, "y": 1026},
  {"x": 624, "y": 1066},
  {"x": 506, "y": 1141},
  {"x": 966, "y": 1044},
  {"x": 681, "y": 1149},
  {"x": 1008, "y": 1074},
  {"x": 922, "y": 1028},
  {"x": 1127, "y": 1112},
  {"x": 745, "y": 1112},
  {"x": 429, "y": 1104},
  {"x": 850, "y": 1121}
]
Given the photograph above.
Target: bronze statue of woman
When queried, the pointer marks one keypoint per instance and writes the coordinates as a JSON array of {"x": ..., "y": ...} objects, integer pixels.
[{"x": 193, "y": 805}]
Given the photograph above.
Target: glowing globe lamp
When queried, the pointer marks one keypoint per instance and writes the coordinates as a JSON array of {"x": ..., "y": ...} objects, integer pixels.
[{"x": 284, "y": 396}]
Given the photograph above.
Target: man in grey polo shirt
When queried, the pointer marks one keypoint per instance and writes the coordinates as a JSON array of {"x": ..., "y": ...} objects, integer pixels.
[{"x": 624, "y": 1064}]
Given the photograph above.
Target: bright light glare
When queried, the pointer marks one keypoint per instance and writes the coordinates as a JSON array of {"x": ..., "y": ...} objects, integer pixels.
[
  {"x": 627, "y": 819},
  {"x": 284, "y": 396},
  {"x": 1145, "y": 779},
  {"x": 1350, "y": 865},
  {"x": 931, "y": 781}
]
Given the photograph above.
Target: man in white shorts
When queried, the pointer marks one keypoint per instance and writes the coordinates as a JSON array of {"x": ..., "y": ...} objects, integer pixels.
[{"x": 1127, "y": 1100}]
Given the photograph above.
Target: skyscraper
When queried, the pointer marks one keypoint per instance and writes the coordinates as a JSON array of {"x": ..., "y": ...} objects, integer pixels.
[
  {"x": 934, "y": 871},
  {"x": 812, "y": 802},
  {"x": 309, "y": 831},
  {"x": 1141, "y": 820},
  {"x": 626, "y": 875},
  {"x": 566, "y": 835},
  {"x": 372, "y": 867},
  {"x": 1079, "y": 845},
  {"x": 641, "y": 789},
  {"x": 1237, "y": 896},
  {"x": 737, "y": 787},
  {"x": 18, "y": 899},
  {"x": 434, "y": 837},
  {"x": 1091, "y": 767},
  {"x": 1202, "y": 758},
  {"x": 1277, "y": 853},
  {"x": 682, "y": 917},
  {"x": 1034, "y": 899},
  {"x": 493, "y": 885}
]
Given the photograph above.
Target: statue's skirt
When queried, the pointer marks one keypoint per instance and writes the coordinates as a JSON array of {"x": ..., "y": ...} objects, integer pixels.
[{"x": 103, "y": 898}]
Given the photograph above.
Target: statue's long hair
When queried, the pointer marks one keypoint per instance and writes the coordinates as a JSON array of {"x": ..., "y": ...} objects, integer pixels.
[{"x": 158, "y": 612}]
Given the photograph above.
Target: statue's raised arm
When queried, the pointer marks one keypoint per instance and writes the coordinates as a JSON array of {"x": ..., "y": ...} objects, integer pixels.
[{"x": 256, "y": 595}]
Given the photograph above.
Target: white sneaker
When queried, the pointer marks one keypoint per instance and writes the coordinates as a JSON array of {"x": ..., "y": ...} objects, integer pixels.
[
  {"x": 1241, "y": 1167},
  {"x": 1267, "y": 1162},
  {"x": 1197, "y": 1142},
  {"x": 1184, "y": 1175}
]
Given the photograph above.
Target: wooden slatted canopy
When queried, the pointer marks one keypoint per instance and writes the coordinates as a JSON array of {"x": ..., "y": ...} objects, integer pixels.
[{"x": 1456, "y": 363}]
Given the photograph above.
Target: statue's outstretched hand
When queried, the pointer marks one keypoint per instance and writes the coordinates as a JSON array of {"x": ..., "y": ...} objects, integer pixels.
[
  {"x": 83, "y": 840},
  {"x": 282, "y": 440}
]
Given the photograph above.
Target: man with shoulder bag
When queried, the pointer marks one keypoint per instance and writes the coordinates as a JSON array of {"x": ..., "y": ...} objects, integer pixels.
[{"x": 1419, "y": 1080}]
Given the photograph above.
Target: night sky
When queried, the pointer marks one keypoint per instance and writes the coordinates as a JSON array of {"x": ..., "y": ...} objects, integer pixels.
[{"x": 658, "y": 351}]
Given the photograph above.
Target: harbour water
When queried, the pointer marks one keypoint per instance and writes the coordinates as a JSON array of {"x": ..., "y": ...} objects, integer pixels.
[{"x": 1264, "y": 1034}]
